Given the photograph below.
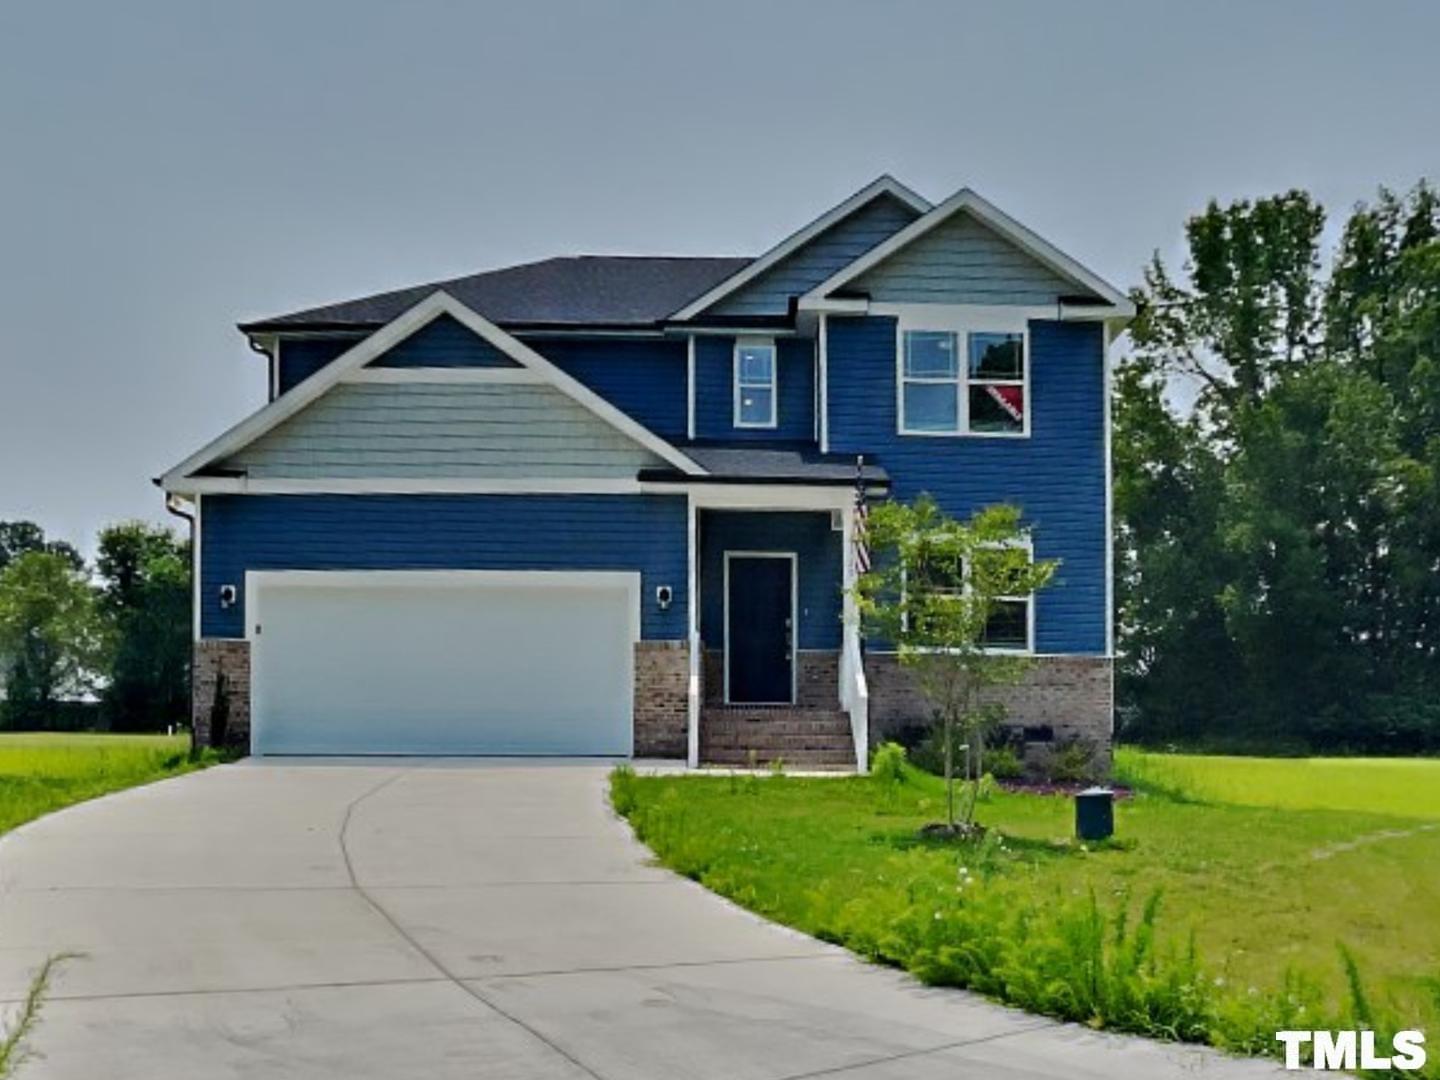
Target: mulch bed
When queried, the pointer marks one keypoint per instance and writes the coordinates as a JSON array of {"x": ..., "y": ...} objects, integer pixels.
[{"x": 1043, "y": 787}]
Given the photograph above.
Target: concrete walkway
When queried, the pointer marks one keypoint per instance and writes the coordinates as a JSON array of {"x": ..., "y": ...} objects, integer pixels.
[{"x": 436, "y": 920}]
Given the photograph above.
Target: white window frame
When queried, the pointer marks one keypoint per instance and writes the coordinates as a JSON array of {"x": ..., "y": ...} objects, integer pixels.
[
  {"x": 962, "y": 323},
  {"x": 774, "y": 387},
  {"x": 1026, "y": 543}
]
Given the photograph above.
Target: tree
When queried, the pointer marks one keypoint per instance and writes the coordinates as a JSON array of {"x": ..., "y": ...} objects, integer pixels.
[
  {"x": 49, "y": 633},
  {"x": 936, "y": 591},
  {"x": 145, "y": 596},
  {"x": 18, "y": 537}
]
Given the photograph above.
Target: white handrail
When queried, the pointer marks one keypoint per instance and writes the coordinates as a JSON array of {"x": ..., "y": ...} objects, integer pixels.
[{"x": 855, "y": 697}]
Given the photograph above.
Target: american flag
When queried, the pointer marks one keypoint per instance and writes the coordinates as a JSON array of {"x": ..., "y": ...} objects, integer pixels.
[{"x": 862, "y": 517}]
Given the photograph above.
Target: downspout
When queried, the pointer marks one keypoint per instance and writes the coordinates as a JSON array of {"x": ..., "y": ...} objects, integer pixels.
[
  {"x": 272, "y": 366},
  {"x": 172, "y": 504}
]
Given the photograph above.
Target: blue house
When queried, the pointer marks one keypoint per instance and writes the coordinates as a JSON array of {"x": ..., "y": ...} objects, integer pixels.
[{"x": 606, "y": 506}]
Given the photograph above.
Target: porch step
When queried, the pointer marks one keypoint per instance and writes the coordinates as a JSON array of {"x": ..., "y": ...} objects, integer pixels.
[{"x": 799, "y": 737}]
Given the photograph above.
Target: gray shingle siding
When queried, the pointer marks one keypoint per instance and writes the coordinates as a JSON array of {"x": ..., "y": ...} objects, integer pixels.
[
  {"x": 443, "y": 430},
  {"x": 961, "y": 261}
]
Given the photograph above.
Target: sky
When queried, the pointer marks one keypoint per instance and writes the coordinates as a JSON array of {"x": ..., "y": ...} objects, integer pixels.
[{"x": 168, "y": 169}]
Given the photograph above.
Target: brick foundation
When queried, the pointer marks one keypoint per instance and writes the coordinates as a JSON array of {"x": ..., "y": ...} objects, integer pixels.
[
  {"x": 662, "y": 707},
  {"x": 212, "y": 658},
  {"x": 1067, "y": 698},
  {"x": 817, "y": 678}
]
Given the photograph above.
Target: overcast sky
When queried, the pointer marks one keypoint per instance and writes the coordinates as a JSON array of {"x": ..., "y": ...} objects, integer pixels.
[{"x": 170, "y": 168}]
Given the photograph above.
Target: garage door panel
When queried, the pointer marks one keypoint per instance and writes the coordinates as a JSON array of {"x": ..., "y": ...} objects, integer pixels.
[{"x": 443, "y": 668}]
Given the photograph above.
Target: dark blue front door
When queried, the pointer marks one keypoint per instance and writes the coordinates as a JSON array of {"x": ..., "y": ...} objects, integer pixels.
[{"x": 759, "y": 605}]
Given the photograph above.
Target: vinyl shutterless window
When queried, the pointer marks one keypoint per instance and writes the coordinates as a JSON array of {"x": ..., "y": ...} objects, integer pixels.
[
  {"x": 982, "y": 394},
  {"x": 754, "y": 384},
  {"x": 1009, "y": 624}
]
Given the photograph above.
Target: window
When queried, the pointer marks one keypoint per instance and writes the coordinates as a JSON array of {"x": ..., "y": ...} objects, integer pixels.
[
  {"x": 754, "y": 384},
  {"x": 987, "y": 396},
  {"x": 1007, "y": 628}
]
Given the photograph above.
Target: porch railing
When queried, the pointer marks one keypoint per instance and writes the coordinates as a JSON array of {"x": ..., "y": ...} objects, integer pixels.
[{"x": 855, "y": 699}]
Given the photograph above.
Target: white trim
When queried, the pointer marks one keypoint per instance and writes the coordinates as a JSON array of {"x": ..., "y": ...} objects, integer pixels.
[
  {"x": 445, "y": 375},
  {"x": 967, "y": 200},
  {"x": 394, "y": 485},
  {"x": 956, "y": 321},
  {"x": 794, "y": 616},
  {"x": 763, "y": 496},
  {"x": 255, "y": 580},
  {"x": 885, "y": 185},
  {"x": 387, "y": 337},
  {"x": 1109, "y": 498},
  {"x": 195, "y": 573},
  {"x": 690, "y": 387},
  {"x": 735, "y": 385},
  {"x": 694, "y": 690},
  {"x": 824, "y": 380},
  {"x": 274, "y": 367}
]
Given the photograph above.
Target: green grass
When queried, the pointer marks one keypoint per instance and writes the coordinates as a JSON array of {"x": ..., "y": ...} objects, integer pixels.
[
  {"x": 44, "y": 772},
  {"x": 1261, "y": 873}
]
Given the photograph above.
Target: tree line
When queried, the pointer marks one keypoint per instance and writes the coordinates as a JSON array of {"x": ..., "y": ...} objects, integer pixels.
[
  {"x": 1277, "y": 481},
  {"x": 104, "y": 645}
]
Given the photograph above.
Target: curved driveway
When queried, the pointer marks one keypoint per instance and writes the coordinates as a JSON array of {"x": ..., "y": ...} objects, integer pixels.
[{"x": 437, "y": 920}]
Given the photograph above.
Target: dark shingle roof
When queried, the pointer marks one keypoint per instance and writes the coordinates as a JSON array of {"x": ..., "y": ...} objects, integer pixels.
[
  {"x": 580, "y": 290},
  {"x": 776, "y": 464}
]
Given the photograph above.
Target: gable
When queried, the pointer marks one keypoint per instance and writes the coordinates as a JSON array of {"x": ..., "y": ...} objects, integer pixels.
[
  {"x": 420, "y": 430},
  {"x": 962, "y": 261},
  {"x": 770, "y": 293},
  {"x": 444, "y": 343}
]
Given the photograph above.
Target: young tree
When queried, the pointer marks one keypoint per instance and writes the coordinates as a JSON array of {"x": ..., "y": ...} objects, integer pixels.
[
  {"x": 144, "y": 575},
  {"x": 939, "y": 590},
  {"x": 49, "y": 633}
]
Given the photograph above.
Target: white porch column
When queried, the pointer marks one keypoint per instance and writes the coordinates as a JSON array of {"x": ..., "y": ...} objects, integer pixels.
[{"x": 692, "y": 540}]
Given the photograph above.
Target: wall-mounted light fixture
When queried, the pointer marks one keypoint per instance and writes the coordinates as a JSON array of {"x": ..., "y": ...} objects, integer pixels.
[
  {"x": 228, "y": 596},
  {"x": 663, "y": 596}
]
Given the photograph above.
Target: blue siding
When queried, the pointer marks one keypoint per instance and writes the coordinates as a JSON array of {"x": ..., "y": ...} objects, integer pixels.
[
  {"x": 1057, "y": 476},
  {"x": 715, "y": 392},
  {"x": 807, "y": 534},
  {"x": 643, "y": 378},
  {"x": 450, "y": 532},
  {"x": 446, "y": 342},
  {"x": 302, "y": 357},
  {"x": 812, "y": 263}
]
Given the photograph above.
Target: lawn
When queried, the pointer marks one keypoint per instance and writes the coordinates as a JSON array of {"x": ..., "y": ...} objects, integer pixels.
[
  {"x": 1267, "y": 866},
  {"x": 44, "y": 772}
]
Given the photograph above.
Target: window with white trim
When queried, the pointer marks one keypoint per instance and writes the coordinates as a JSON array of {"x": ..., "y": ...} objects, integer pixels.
[
  {"x": 983, "y": 394},
  {"x": 755, "y": 380},
  {"x": 1009, "y": 626}
]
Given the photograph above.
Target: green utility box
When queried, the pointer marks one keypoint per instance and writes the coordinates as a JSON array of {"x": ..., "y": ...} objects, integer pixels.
[{"x": 1095, "y": 814}]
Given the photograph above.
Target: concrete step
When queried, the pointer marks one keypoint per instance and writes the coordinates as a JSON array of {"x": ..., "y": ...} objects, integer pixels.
[{"x": 839, "y": 758}]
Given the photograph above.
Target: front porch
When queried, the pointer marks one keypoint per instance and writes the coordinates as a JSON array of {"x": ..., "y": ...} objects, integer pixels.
[{"x": 769, "y": 678}]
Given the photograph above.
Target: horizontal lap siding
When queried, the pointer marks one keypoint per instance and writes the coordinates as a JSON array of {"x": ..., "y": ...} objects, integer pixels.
[
  {"x": 302, "y": 357},
  {"x": 644, "y": 379},
  {"x": 962, "y": 262},
  {"x": 444, "y": 532},
  {"x": 443, "y": 430},
  {"x": 1057, "y": 476},
  {"x": 812, "y": 263},
  {"x": 809, "y": 535},
  {"x": 445, "y": 343},
  {"x": 715, "y": 392}
]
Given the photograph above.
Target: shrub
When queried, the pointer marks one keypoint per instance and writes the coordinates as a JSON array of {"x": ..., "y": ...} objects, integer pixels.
[
  {"x": 887, "y": 764},
  {"x": 1003, "y": 763},
  {"x": 1073, "y": 762}
]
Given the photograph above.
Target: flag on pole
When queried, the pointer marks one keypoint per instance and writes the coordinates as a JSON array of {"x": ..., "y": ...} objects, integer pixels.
[{"x": 862, "y": 516}]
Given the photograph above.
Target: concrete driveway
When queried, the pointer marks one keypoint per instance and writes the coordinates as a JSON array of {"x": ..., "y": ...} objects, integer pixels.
[{"x": 432, "y": 919}]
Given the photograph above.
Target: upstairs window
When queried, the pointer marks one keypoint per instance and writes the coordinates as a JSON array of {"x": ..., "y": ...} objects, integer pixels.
[
  {"x": 754, "y": 383},
  {"x": 985, "y": 394}
]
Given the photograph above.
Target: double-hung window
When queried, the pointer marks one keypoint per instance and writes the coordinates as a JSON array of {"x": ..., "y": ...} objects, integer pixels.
[
  {"x": 963, "y": 382},
  {"x": 754, "y": 383},
  {"x": 1009, "y": 622}
]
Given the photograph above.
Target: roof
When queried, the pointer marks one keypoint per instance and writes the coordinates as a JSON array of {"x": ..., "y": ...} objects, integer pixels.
[
  {"x": 771, "y": 463},
  {"x": 581, "y": 290}
]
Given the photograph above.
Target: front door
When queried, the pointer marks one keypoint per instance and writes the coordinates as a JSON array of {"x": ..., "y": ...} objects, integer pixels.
[{"x": 759, "y": 630}]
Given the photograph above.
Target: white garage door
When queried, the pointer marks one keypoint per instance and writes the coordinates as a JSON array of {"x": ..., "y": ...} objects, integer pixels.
[{"x": 465, "y": 662}]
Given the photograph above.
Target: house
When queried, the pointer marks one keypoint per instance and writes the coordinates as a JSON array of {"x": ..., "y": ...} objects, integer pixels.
[{"x": 606, "y": 505}]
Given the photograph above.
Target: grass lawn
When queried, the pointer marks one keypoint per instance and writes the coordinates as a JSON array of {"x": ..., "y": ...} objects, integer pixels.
[
  {"x": 1268, "y": 866},
  {"x": 43, "y": 772}
]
